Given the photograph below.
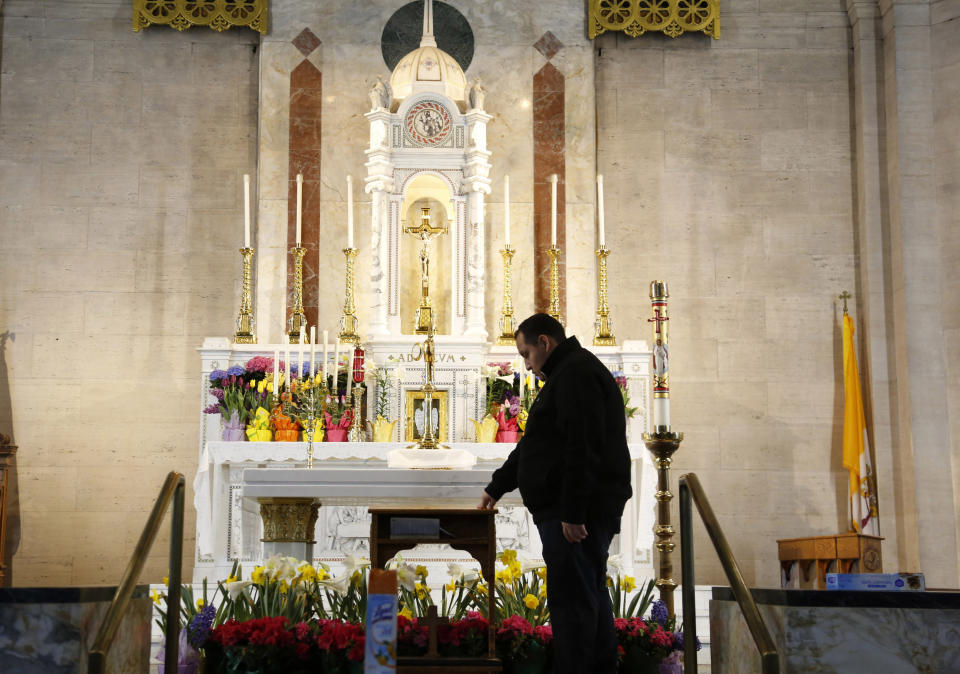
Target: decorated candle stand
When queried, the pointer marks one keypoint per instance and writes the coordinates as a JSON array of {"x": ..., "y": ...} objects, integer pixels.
[{"x": 663, "y": 442}]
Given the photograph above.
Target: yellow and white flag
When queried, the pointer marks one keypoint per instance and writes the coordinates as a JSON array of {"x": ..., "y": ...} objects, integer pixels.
[{"x": 856, "y": 457}]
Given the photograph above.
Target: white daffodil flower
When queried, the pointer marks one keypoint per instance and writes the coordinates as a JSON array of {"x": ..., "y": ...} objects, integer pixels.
[
  {"x": 236, "y": 588},
  {"x": 354, "y": 564},
  {"x": 407, "y": 577},
  {"x": 527, "y": 565},
  {"x": 615, "y": 566},
  {"x": 340, "y": 585},
  {"x": 455, "y": 571},
  {"x": 471, "y": 577}
]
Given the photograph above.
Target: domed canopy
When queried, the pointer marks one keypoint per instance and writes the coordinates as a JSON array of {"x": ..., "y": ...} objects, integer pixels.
[{"x": 428, "y": 68}]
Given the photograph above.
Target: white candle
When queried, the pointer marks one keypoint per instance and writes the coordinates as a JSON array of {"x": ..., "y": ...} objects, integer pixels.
[
  {"x": 600, "y": 210},
  {"x": 553, "y": 210},
  {"x": 276, "y": 371},
  {"x": 506, "y": 209},
  {"x": 313, "y": 351},
  {"x": 523, "y": 377},
  {"x": 325, "y": 346},
  {"x": 303, "y": 338},
  {"x": 349, "y": 211},
  {"x": 661, "y": 413},
  {"x": 246, "y": 210},
  {"x": 286, "y": 360},
  {"x": 299, "y": 207},
  {"x": 349, "y": 372},
  {"x": 336, "y": 366}
]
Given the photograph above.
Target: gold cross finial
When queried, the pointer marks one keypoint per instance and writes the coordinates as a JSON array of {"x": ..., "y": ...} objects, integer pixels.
[
  {"x": 845, "y": 296},
  {"x": 425, "y": 229}
]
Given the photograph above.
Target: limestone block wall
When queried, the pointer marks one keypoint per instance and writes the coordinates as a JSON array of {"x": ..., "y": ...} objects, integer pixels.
[
  {"x": 945, "y": 37},
  {"x": 121, "y": 163},
  {"x": 728, "y": 166}
]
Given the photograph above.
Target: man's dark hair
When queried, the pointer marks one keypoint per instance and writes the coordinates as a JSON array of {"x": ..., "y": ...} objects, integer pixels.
[{"x": 541, "y": 324}]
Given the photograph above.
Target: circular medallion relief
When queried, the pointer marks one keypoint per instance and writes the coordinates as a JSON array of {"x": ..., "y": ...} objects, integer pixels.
[{"x": 428, "y": 123}]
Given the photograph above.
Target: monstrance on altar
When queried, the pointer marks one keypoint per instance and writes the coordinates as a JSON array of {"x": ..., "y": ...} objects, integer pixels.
[{"x": 428, "y": 170}]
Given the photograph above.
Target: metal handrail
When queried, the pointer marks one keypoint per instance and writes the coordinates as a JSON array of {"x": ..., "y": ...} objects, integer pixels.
[
  {"x": 173, "y": 489},
  {"x": 690, "y": 486}
]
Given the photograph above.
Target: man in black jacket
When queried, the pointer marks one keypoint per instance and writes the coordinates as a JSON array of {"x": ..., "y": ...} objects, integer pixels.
[{"x": 573, "y": 470}]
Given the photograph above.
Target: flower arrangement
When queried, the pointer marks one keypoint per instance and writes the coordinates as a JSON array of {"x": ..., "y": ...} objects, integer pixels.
[
  {"x": 625, "y": 394},
  {"x": 293, "y": 616}
]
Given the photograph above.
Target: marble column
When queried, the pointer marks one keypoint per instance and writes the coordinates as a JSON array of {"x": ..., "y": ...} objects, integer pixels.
[
  {"x": 924, "y": 488},
  {"x": 872, "y": 308}
]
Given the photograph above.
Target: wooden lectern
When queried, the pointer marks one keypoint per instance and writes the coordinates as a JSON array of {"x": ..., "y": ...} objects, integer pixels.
[
  {"x": 469, "y": 529},
  {"x": 847, "y": 553}
]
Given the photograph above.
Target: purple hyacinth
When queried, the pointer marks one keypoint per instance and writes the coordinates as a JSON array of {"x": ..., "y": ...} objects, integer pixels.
[
  {"x": 659, "y": 612},
  {"x": 200, "y": 624},
  {"x": 217, "y": 393},
  {"x": 236, "y": 371},
  {"x": 678, "y": 640},
  {"x": 217, "y": 375}
]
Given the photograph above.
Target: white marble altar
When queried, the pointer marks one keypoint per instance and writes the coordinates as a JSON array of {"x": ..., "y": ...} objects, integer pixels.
[{"x": 229, "y": 527}]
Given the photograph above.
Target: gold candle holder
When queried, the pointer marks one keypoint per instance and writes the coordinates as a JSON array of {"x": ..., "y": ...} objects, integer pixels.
[
  {"x": 506, "y": 317},
  {"x": 663, "y": 445},
  {"x": 245, "y": 322},
  {"x": 603, "y": 335},
  {"x": 298, "y": 320},
  {"x": 357, "y": 431},
  {"x": 348, "y": 322},
  {"x": 554, "y": 254}
]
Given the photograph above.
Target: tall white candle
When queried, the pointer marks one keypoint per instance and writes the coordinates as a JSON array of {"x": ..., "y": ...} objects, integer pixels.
[
  {"x": 553, "y": 210},
  {"x": 246, "y": 210},
  {"x": 276, "y": 371},
  {"x": 506, "y": 209},
  {"x": 661, "y": 412},
  {"x": 326, "y": 335},
  {"x": 349, "y": 371},
  {"x": 313, "y": 351},
  {"x": 349, "y": 211},
  {"x": 286, "y": 361},
  {"x": 303, "y": 338},
  {"x": 299, "y": 207},
  {"x": 600, "y": 211},
  {"x": 336, "y": 366},
  {"x": 522, "y": 370}
]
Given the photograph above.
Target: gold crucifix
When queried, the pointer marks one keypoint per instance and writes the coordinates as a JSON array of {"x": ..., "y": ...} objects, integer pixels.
[{"x": 426, "y": 231}]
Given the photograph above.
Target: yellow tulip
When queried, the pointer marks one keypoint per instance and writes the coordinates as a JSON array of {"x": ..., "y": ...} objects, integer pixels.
[{"x": 530, "y": 601}]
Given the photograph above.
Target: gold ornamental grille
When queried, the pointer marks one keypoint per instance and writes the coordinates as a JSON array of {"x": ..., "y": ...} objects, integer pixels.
[
  {"x": 216, "y": 14},
  {"x": 670, "y": 17}
]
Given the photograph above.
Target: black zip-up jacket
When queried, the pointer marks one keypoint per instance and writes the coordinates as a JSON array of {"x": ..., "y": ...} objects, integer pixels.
[{"x": 572, "y": 462}]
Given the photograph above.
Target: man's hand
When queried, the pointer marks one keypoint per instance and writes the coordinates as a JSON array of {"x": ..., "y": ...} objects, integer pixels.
[
  {"x": 487, "y": 502},
  {"x": 574, "y": 533}
]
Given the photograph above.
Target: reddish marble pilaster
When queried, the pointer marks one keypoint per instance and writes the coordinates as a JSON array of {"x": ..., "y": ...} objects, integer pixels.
[
  {"x": 305, "y": 106},
  {"x": 549, "y": 132}
]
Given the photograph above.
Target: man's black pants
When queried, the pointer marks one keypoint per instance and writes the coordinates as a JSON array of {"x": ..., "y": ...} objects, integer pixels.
[{"x": 584, "y": 640}]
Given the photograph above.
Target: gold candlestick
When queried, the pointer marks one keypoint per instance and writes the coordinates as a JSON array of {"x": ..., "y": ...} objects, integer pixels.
[
  {"x": 662, "y": 443},
  {"x": 604, "y": 333},
  {"x": 245, "y": 323},
  {"x": 357, "y": 430},
  {"x": 348, "y": 322},
  {"x": 554, "y": 311},
  {"x": 298, "y": 320},
  {"x": 506, "y": 318},
  {"x": 426, "y": 351}
]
